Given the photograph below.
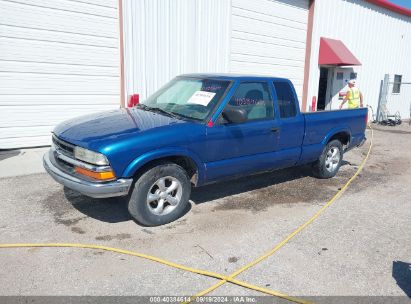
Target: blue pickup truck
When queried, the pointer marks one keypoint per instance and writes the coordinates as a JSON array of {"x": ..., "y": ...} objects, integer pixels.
[{"x": 197, "y": 129}]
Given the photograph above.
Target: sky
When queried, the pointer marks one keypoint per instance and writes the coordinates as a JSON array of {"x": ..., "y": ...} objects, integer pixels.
[{"x": 403, "y": 3}]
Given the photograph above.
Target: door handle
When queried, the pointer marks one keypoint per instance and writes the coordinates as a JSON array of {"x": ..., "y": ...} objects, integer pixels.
[{"x": 275, "y": 129}]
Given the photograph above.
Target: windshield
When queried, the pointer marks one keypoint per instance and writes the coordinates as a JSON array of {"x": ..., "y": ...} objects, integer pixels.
[{"x": 192, "y": 98}]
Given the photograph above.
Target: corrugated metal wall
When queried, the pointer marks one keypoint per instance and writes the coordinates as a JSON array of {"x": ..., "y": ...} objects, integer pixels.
[
  {"x": 269, "y": 38},
  {"x": 166, "y": 38},
  {"x": 58, "y": 59},
  {"x": 379, "y": 38}
]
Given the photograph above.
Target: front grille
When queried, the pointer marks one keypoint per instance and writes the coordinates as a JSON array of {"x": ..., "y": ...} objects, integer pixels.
[
  {"x": 63, "y": 158},
  {"x": 63, "y": 147},
  {"x": 67, "y": 167}
]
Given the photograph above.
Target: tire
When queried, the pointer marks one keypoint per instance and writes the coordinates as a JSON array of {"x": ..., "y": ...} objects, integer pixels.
[
  {"x": 160, "y": 195},
  {"x": 330, "y": 160}
]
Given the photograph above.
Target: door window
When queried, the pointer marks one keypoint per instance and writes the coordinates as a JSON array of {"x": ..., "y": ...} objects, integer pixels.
[
  {"x": 255, "y": 99},
  {"x": 286, "y": 99}
]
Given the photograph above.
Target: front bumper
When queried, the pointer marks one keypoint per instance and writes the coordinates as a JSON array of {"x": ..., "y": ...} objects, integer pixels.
[{"x": 119, "y": 187}]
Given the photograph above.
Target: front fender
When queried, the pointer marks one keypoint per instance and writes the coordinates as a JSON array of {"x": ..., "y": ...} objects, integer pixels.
[{"x": 145, "y": 158}]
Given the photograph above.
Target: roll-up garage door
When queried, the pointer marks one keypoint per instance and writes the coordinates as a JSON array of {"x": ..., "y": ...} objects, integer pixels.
[
  {"x": 58, "y": 59},
  {"x": 269, "y": 37}
]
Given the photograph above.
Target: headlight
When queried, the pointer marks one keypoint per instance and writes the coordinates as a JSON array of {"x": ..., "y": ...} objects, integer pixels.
[{"x": 90, "y": 156}]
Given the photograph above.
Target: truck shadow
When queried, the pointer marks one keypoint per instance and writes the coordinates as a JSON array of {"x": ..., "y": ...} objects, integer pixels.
[
  {"x": 263, "y": 180},
  {"x": 110, "y": 210},
  {"x": 244, "y": 184},
  {"x": 114, "y": 210}
]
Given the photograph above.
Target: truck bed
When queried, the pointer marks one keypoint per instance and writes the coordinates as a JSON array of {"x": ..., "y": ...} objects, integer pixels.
[{"x": 319, "y": 126}]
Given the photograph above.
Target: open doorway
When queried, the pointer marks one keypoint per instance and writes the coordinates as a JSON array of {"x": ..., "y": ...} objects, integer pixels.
[
  {"x": 332, "y": 86},
  {"x": 322, "y": 89}
]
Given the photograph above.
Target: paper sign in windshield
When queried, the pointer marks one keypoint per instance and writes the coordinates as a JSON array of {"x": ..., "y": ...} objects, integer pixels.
[{"x": 201, "y": 97}]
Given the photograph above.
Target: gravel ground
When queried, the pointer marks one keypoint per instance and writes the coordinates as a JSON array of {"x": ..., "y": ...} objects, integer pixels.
[{"x": 361, "y": 246}]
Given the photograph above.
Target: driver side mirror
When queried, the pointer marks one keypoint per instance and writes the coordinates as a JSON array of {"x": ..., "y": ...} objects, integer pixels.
[{"x": 235, "y": 114}]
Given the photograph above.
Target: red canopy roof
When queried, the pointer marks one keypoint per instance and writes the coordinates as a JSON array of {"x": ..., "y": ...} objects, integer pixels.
[{"x": 334, "y": 52}]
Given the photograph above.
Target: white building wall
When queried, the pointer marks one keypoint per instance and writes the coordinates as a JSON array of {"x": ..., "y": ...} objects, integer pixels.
[
  {"x": 166, "y": 38},
  {"x": 268, "y": 37},
  {"x": 58, "y": 59},
  {"x": 379, "y": 38}
]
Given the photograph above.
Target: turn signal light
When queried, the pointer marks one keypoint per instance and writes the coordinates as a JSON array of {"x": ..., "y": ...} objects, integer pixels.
[{"x": 96, "y": 175}]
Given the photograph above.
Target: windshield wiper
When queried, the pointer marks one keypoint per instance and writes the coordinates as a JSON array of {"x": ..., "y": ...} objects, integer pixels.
[
  {"x": 170, "y": 114},
  {"x": 182, "y": 116},
  {"x": 157, "y": 110},
  {"x": 143, "y": 107},
  {"x": 161, "y": 111}
]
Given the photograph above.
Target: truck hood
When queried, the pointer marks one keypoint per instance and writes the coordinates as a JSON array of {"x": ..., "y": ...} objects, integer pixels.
[{"x": 97, "y": 130}]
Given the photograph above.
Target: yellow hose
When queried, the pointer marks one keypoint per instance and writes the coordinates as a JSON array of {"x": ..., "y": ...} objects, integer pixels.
[
  {"x": 292, "y": 234},
  {"x": 223, "y": 279}
]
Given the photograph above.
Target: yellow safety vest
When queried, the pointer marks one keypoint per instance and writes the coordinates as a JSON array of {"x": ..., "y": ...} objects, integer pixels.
[{"x": 353, "y": 96}]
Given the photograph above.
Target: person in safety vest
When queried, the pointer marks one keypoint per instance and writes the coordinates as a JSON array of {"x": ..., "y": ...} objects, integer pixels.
[{"x": 353, "y": 96}]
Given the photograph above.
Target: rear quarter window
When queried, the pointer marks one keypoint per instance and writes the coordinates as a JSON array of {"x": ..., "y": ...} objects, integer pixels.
[{"x": 286, "y": 99}]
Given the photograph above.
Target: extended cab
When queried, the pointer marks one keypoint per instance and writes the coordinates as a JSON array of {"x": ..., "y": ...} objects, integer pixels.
[{"x": 196, "y": 130}]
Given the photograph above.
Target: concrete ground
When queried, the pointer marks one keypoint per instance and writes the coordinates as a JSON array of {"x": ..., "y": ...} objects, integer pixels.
[
  {"x": 361, "y": 246},
  {"x": 21, "y": 162}
]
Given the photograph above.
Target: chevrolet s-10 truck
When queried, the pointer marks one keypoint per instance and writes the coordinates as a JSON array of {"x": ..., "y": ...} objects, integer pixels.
[{"x": 196, "y": 130}]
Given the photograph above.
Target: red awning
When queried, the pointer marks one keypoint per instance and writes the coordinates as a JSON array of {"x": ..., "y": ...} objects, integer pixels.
[
  {"x": 334, "y": 52},
  {"x": 392, "y": 7}
]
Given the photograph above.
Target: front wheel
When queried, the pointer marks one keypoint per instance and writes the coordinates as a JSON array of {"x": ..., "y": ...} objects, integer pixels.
[
  {"x": 330, "y": 160},
  {"x": 160, "y": 195}
]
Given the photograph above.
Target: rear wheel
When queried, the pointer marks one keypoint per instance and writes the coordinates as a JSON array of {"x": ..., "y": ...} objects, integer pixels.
[
  {"x": 160, "y": 195},
  {"x": 330, "y": 160}
]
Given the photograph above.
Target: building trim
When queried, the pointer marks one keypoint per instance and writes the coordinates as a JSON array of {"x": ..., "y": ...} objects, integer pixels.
[
  {"x": 308, "y": 54},
  {"x": 392, "y": 7},
  {"x": 121, "y": 50}
]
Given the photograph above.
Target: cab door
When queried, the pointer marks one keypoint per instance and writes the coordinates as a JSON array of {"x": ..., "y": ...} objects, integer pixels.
[
  {"x": 290, "y": 122},
  {"x": 241, "y": 148}
]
